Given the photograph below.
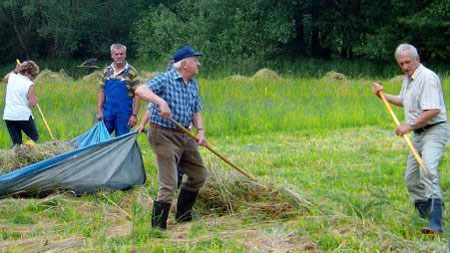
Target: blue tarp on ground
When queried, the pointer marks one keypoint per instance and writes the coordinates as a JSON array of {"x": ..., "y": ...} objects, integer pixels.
[{"x": 97, "y": 162}]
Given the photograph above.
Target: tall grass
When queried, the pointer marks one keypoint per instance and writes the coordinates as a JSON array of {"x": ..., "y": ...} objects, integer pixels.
[{"x": 247, "y": 106}]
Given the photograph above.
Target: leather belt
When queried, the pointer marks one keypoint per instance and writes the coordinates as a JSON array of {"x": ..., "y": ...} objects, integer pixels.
[
  {"x": 176, "y": 130},
  {"x": 422, "y": 129}
]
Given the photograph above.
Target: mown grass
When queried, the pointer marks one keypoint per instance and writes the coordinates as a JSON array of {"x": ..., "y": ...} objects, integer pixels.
[{"x": 331, "y": 141}]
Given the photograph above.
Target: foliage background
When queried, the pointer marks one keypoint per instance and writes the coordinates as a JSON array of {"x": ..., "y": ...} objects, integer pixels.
[{"x": 233, "y": 34}]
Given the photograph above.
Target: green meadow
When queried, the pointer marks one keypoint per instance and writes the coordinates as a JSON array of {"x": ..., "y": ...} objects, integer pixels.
[{"x": 330, "y": 141}]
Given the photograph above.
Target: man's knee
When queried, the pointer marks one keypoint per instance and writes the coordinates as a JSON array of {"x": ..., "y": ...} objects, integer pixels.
[{"x": 200, "y": 178}]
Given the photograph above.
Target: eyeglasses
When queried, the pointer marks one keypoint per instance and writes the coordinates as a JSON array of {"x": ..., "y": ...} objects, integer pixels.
[{"x": 196, "y": 61}]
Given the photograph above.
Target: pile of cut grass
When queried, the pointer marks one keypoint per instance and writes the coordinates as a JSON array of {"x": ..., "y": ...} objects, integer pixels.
[
  {"x": 94, "y": 76},
  {"x": 26, "y": 154},
  {"x": 266, "y": 74},
  {"x": 47, "y": 75},
  {"x": 228, "y": 193},
  {"x": 334, "y": 76}
]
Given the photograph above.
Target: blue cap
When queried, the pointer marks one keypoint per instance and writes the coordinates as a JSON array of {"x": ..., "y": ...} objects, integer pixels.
[{"x": 185, "y": 52}]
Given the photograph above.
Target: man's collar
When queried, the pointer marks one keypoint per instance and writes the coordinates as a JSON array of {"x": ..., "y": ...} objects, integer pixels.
[
  {"x": 176, "y": 73},
  {"x": 123, "y": 69},
  {"x": 417, "y": 72}
]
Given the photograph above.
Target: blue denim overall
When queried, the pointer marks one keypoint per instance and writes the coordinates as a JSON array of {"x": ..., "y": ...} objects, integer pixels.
[{"x": 118, "y": 106}]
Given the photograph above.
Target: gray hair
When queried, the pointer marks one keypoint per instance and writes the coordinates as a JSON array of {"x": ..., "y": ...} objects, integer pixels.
[
  {"x": 117, "y": 45},
  {"x": 177, "y": 64},
  {"x": 406, "y": 47}
]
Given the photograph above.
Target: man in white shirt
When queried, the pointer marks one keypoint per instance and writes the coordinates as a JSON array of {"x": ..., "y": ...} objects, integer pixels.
[{"x": 422, "y": 98}]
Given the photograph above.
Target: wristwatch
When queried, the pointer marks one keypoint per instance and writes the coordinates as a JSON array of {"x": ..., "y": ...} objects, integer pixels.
[{"x": 411, "y": 125}]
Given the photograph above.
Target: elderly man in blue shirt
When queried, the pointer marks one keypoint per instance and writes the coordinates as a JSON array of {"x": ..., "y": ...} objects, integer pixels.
[{"x": 175, "y": 94}]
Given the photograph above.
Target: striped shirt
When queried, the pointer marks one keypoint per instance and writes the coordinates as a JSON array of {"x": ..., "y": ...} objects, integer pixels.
[
  {"x": 183, "y": 99},
  {"x": 422, "y": 91},
  {"x": 128, "y": 74}
]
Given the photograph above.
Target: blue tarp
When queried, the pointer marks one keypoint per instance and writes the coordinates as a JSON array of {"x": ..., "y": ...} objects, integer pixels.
[{"x": 97, "y": 162}]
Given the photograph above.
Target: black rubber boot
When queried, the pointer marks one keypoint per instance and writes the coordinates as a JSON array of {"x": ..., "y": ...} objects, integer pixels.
[
  {"x": 434, "y": 226},
  {"x": 185, "y": 202},
  {"x": 160, "y": 214},
  {"x": 180, "y": 173},
  {"x": 423, "y": 207}
]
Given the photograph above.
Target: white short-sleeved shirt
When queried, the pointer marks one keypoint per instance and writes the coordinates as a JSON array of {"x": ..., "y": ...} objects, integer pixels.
[
  {"x": 16, "y": 101},
  {"x": 422, "y": 91}
]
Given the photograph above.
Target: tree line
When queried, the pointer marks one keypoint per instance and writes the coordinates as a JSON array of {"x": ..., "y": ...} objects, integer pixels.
[{"x": 244, "y": 30}]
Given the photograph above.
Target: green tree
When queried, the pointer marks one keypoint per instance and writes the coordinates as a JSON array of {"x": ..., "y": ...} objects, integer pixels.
[
  {"x": 223, "y": 30},
  {"x": 17, "y": 17}
]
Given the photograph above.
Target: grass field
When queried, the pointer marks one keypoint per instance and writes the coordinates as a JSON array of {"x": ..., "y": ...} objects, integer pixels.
[{"x": 331, "y": 142}]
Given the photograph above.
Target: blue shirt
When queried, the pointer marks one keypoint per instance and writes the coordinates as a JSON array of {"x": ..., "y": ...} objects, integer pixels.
[{"x": 183, "y": 99}]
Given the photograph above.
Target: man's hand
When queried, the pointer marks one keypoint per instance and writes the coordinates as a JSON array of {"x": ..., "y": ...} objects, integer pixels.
[
  {"x": 99, "y": 116},
  {"x": 164, "y": 110},
  {"x": 140, "y": 128},
  {"x": 132, "y": 121},
  {"x": 403, "y": 129},
  {"x": 376, "y": 88},
  {"x": 201, "y": 138}
]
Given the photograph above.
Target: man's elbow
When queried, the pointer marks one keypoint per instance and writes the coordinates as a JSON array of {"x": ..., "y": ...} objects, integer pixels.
[
  {"x": 436, "y": 111},
  {"x": 432, "y": 112},
  {"x": 140, "y": 92}
]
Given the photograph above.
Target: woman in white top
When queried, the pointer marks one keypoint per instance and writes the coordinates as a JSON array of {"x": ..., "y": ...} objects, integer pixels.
[{"x": 20, "y": 98}]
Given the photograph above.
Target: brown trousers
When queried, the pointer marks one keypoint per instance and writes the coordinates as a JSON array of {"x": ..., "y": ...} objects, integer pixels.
[{"x": 173, "y": 149}]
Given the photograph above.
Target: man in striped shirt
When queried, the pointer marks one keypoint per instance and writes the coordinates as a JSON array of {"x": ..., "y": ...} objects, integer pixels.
[
  {"x": 175, "y": 94},
  {"x": 117, "y": 105},
  {"x": 422, "y": 98}
]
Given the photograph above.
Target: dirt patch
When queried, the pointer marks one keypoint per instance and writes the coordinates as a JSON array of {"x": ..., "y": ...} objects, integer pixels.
[{"x": 278, "y": 240}]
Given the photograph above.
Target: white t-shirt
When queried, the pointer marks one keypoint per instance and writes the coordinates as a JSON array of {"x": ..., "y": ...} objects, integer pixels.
[{"x": 16, "y": 102}]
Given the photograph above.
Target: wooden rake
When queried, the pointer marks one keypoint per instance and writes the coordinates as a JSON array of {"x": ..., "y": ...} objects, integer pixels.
[
  {"x": 211, "y": 149},
  {"x": 405, "y": 137}
]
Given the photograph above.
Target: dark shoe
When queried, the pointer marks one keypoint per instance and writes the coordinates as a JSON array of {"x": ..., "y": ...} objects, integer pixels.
[
  {"x": 423, "y": 207},
  {"x": 160, "y": 214},
  {"x": 434, "y": 226},
  {"x": 185, "y": 202}
]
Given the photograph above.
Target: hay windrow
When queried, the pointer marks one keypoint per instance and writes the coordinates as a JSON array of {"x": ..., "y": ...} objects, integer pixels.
[
  {"x": 334, "y": 76},
  {"x": 237, "y": 78},
  {"x": 266, "y": 74},
  {"x": 47, "y": 75},
  {"x": 27, "y": 154},
  {"x": 146, "y": 76},
  {"x": 94, "y": 76},
  {"x": 227, "y": 193}
]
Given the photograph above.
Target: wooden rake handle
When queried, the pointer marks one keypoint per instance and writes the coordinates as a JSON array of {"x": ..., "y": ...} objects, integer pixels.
[
  {"x": 405, "y": 137},
  {"x": 190, "y": 134},
  {"x": 45, "y": 122}
]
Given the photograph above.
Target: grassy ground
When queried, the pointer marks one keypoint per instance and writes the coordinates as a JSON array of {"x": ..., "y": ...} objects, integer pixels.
[{"x": 329, "y": 141}]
